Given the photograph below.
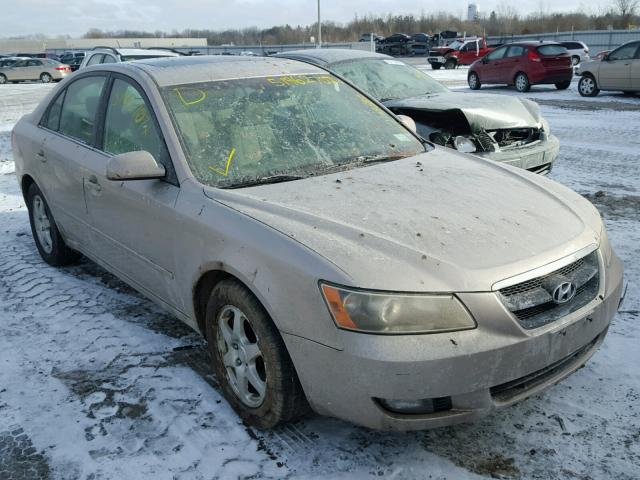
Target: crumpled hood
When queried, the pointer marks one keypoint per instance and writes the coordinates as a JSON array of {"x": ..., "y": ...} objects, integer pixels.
[
  {"x": 482, "y": 111},
  {"x": 440, "y": 221}
]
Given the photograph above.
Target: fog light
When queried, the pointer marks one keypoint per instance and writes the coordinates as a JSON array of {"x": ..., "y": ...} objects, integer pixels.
[
  {"x": 417, "y": 407},
  {"x": 463, "y": 144}
]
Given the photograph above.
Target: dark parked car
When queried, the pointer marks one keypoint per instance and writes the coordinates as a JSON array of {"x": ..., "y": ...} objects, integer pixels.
[
  {"x": 73, "y": 59},
  {"x": 420, "y": 44},
  {"x": 523, "y": 64},
  {"x": 396, "y": 44}
]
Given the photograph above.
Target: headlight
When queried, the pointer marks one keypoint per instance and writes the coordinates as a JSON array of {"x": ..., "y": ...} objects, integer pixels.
[
  {"x": 463, "y": 144},
  {"x": 605, "y": 246},
  {"x": 394, "y": 313},
  {"x": 546, "y": 127}
]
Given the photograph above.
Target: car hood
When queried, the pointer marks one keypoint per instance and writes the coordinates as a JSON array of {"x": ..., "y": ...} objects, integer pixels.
[
  {"x": 440, "y": 221},
  {"x": 482, "y": 111}
]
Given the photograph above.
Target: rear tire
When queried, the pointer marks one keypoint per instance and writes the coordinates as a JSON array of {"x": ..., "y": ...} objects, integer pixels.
[
  {"x": 587, "y": 86},
  {"x": 3, "y": 79},
  {"x": 522, "y": 82},
  {"x": 474, "y": 81},
  {"x": 45, "y": 77},
  {"x": 250, "y": 359},
  {"x": 563, "y": 85},
  {"x": 45, "y": 232},
  {"x": 450, "y": 64}
]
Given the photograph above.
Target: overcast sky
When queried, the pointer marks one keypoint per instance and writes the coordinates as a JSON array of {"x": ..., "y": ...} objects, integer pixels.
[{"x": 75, "y": 17}]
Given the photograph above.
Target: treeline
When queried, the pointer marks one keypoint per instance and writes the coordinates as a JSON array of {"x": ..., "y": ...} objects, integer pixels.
[{"x": 505, "y": 20}]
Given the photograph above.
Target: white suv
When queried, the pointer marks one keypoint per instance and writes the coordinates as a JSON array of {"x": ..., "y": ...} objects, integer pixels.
[
  {"x": 115, "y": 55},
  {"x": 578, "y": 50}
]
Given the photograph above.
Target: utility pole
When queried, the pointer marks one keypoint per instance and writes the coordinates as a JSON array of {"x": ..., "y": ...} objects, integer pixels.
[{"x": 319, "y": 27}]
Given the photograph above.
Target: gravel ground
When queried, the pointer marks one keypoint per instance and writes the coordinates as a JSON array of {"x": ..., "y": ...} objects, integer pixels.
[{"x": 98, "y": 383}]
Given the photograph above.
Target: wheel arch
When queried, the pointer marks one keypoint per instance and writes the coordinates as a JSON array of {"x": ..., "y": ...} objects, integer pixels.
[{"x": 25, "y": 183}]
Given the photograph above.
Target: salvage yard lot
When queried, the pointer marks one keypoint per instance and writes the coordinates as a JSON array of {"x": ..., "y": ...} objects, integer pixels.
[{"x": 97, "y": 382}]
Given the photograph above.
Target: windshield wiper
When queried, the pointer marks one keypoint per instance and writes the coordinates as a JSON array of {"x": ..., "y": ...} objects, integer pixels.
[
  {"x": 264, "y": 181},
  {"x": 380, "y": 158}
]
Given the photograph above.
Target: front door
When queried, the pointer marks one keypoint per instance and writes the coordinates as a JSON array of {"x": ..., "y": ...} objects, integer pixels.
[
  {"x": 134, "y": 222},
  {"x": 491, "y": 66},
  {"x": 635, "y": 72},
  {"x": 615, "y": 71}
]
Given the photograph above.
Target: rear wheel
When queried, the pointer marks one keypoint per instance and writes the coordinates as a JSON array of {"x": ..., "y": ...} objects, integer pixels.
[
  {"x": 250, "y": 359},
  {"x": 563, "y": 85},
  {"x": 3, "y": 79},
  {"x": 45, "y": 232},
  {"x": 522, "y": 82},
  {"x": 450, "y": 64},
  {"x": 474, "y": 81},
  {"x": 45, "y": 77},
  {"x": 587, "y": 86}
]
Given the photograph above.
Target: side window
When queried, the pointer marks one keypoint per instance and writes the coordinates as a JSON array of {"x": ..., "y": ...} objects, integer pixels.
[
  {"x": 52, "y": 120},
  {"x": 129, "y": 126},
  {"x": 515, "y": 51},
  {"x": 625, "y": 52},
  {"x": 34, "y": 63},
  {"x": 108, "y": 59},
  {"x": 497, "y": 54},
  {"x": 95, "y": 59},
  {"x": 80, "y": 106}
]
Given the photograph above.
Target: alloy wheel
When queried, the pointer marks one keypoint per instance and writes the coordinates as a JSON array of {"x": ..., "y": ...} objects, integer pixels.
[
  {"x": 587, "y": 86},
  {"x": 521, "y": 83},
  {"x": 243, "y": 360},
  {"x": 473, "y": 81},
  {"x": 45, "y": 77},
  {"x": 42, "y": 224}
]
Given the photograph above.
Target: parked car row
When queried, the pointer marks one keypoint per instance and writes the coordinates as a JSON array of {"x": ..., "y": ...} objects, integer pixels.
[
  {"x": 43, "y": 69},
  {"x": 316, "y": 240}
]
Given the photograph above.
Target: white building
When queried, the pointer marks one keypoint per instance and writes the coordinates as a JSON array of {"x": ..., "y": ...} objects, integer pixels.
[{"x": 472, "y": 12}]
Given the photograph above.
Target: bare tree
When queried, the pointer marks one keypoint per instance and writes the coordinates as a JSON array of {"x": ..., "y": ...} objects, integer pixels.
[{"x": 626, "y": 8}]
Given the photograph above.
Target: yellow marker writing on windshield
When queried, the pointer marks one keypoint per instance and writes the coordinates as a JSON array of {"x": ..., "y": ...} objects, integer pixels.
[
  {"x": 186, "y": 103},
  {"x": 225, "y": 172}
]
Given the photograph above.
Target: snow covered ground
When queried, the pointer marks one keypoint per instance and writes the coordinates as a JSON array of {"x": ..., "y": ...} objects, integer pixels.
[{"x": 98, "y": 383}]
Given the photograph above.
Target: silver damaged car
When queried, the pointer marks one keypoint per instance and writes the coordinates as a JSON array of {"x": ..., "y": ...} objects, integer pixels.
[{"x": 331, "y": 258}]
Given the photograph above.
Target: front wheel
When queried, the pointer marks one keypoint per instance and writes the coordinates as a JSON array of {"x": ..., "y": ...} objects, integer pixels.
[
  {"x": 3, "y": 79},
  {"x": 563, "y": 85},
  {"x": 450, "y": 64},
  {"x": 250, "y": 359},
  {"x": 474, "y": 81},
  {"x": 46, "y": 78},
  {"x": 522, "y": 82},
  {"x": 49, "y": 242},
  {"x": 587, "y": 87}
]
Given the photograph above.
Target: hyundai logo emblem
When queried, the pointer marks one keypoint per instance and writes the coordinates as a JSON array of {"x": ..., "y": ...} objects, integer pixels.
[{"x": 563, "y": 292}]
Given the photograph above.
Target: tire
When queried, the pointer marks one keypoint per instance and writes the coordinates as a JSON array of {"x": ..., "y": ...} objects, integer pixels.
[
  {"x": 563, "y": 85},
  {"x": 45, "y": 232},
  {"x": 522, "y": 82},
  {"x": 575, "y": 60},
  {"x": 257, "y": 350},
  {"x": 587, "y": 86},
  {"x": 474, "y": 81},
  {"x": 3, "y": 79},
  {"x": 436, "y": 66},
  {"x": 450, "y": 64},
  {"x": 46, "y": 77}
]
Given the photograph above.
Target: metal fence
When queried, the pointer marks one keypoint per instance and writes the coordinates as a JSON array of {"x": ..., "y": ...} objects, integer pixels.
[
  {"x": 596, "y": 40},
  {"x": 243, "y": 49}
]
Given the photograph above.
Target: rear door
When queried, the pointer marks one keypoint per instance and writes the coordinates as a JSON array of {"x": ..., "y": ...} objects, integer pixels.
[
  {"x": 68, "y": 128},
  {"x": 134, "y": 222},
  {"x": 33, "y": 69},
  {"x": 635, "y": 72},
  {"x": 615, "y": 71},
  {"x": 511, "y": 63}
]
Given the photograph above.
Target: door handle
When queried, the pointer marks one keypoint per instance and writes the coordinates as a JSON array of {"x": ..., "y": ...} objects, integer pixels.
[
  {"x": 41, "y": 156},
  {"x": 93, "y": 183}
]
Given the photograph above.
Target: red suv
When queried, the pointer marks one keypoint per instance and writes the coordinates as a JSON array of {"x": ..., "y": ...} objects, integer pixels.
[{"x": 523, "y": 64}]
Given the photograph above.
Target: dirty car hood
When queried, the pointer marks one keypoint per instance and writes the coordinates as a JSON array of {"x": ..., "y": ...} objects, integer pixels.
[
  {"x": 441, "y": 221},
  {"x": 482, "y": 111}
]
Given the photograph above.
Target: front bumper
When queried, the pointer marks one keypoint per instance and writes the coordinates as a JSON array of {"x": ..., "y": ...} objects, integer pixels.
[
  {"x": 537, "y": 158},
  {"x": 493, "y": 366}
]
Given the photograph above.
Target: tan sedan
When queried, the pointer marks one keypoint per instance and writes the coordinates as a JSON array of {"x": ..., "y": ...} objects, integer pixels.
[
  {"x": 43, "y": 69},
  {"x": 618, "y": 70}
]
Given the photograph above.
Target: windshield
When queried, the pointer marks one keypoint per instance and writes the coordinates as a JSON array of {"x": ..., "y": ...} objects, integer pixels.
[
  {"x": 238, "y": 132},
  {"x": 388, "y": 79}
]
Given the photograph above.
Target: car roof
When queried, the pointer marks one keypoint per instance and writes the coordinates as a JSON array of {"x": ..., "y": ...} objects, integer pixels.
[
  {"x": 530, "y": 43},
  {"x": 136, "y": 51},
  {"x": 328, "y": 56},
  {"x": 208, "y": 68}
]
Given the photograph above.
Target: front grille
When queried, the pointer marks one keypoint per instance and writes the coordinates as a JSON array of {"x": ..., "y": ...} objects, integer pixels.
[
  {"x": 508, "y": 391},
  {"x": 532, "y": 303}
]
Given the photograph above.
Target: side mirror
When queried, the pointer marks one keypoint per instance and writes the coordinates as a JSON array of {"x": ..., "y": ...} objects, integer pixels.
[
  {"x": 605, "y": 57},
  {"x": 138, "y": 165},
  {"x": 408, "y": 122}
]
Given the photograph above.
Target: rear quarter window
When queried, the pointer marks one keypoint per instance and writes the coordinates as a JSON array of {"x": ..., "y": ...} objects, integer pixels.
[{"x": 552, "y": 50}]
